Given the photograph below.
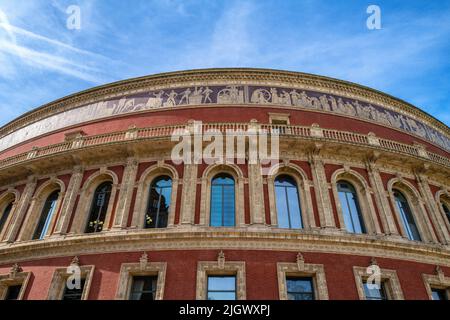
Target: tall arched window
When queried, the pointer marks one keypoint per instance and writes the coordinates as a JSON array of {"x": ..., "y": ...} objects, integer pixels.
[
  {"x": 4, "y": 216},
  {"x": 46, "y": 216},
  {"x": 288, "y": 203},
  {"x": 406, "y": 215},
  {"x": 158, "y": 202},
  {"x": 444, "y": 206},
  {"x": 99, "y": 207},
  {"x": 350, "y": 207},
  {"x": 222, "y": 201}
]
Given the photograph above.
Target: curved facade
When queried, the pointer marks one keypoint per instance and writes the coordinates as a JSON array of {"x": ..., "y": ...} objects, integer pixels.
[{"x": 361, "y": 186}]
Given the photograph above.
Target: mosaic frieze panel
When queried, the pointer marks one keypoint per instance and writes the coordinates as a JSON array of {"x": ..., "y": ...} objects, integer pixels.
[{"x": 231, "y": 94}]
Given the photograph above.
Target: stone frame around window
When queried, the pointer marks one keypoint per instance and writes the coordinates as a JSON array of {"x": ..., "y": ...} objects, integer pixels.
[
  {"x": 220, "y": 268},
  {"x": 302, "y": 269},
  {"x": 275, "y": 116},
  {"x": 60, "y": 276},
  {"x": 142, "y": 195},
  {"x": 142, "y": 268},
  {"x": 7, "y": 197},
  {"x": 438, "y": 281},
  {"x": 365, "y": 202},
  {"x": 205, "y": 201},
  {"x": 416, "y": 205},
  {"x": 304, "y": 193},
  {"x": 15, "y": 277},
  {"x": 389, "y": 277},
  {"x": 87, "y": 191}
]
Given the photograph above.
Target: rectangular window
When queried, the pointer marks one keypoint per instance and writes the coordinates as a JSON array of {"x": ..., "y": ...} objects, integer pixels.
[
  {"x": 439, "y": 294},
  {"x": 75, "y": 293},
  {"x": 143, "y": 288},
  {"x": 300, "y": 288},
  {"x": 373, "y": 292},
  {"x": 221, "y": 288},
  {"x": 13, "y": 292}
]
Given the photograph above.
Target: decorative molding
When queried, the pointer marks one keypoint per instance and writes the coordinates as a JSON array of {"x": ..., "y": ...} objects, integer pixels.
[{"x": 388, "y": 277}]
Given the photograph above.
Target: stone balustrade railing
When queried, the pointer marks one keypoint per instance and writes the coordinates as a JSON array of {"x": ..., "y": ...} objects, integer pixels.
[{"x": 313, "y": 132}]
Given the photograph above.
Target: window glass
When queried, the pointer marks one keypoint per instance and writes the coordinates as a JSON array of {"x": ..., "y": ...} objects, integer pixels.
[
  {"x": 159, "y": 202},
  {"x": 350, "y": 207},
  {"x": 5, "y": 215},
  {"x": 439, "y": 294},
  {"x": 406, "y": 216},
  {"x": 99, "y": 207},
  {"x": 300, "y": 288},
  {"x": 445, "y": 206},
  {"x": 374, "y": 292},
  {"x": 143, "y": 288},
  {"x": 13, "y": 292},
  {"x": 221, "y": 288},
  {"x": 288, "y": 203},
  {"x": 75, "y": 293},
  {"x": 46, "y": 215},
  {"x": 222, "y": 201}
]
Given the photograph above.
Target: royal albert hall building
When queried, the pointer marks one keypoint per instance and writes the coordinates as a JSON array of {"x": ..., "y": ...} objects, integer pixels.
[{"x": 361, "y": 189}]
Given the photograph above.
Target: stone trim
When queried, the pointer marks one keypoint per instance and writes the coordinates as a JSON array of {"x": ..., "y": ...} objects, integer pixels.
[
  {"x": 364, "y": 198},
  {"x": 15, "y": 277},
  {"x": 218, "y": 268},
  {"x": 126, "y": 193},
  {"x": 60, "y": 276},
  {"x": 416, "y": 204},
  {"x": 437, "y": 281},
  {"x": 302, "y": 269},
  {"x": 37, "y": 205},
  {"x": 85, "y": 200},
  {"x": 142, "y": 268},
  {"x": 143, "y": 185},
  {"x": 205, "y": 204},
  {"x": 9, "y": 196},
  {"x": 304, "y": 191},
  {"x": 443, "y": 196},
  {"x": 388, "y": 277}
]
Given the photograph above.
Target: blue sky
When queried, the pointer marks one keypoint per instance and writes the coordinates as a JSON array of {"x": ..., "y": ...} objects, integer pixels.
[{"x": 41, "y": 60}]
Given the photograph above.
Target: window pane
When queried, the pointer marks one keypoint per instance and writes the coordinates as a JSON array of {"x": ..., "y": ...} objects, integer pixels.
[
  {"x": 5, "y": 215},
  {"x": 375, "y": 293},
  {"x": 439, "y": 294},
  {"x": 13, "y": 292},
  {"x": 287, "y": 202},
  {"x": 300, "y": 288},
  {"x": 46, "y": 216},
  {"x": 143, "y": 288},
  {"x": 350, "y": 208},
  {"x": 159, "y": 202},
  {"x": 446, "y": 210},
  {"x": 407, "y": 218},
  {"x": 222, "y": 207},
  {"x": 75, "y": 293},
  {"x": 221, "y": 288},
  {"x": 99, "y": 207}
]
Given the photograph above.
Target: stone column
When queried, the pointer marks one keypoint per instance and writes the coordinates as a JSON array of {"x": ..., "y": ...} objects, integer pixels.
[
  {"x": 321, "y": 190},
  {"x": 69, "y": 200},
  {"x": 433, "y": 209},
  {"x": 256, "y": 193},
  {"x": 381, "y": 199},
  {"x": 22, "y": 209},
  {"x": 188, "y": 194},
  {"x": 126, "y": 194}
]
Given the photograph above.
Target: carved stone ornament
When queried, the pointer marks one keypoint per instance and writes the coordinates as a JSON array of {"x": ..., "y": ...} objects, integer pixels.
[
  {"x": 221, "y": 259},
  {"x": 143, "y": 261},
  {"x": 14, "y": 270},
  {"x": 300, "y": 262}
]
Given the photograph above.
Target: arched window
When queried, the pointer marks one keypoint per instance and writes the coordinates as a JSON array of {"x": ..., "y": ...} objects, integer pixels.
[
  {"x": 406, "y": 215},
  {"x": 444, "y": 206},
  {"x": 158, "y": 202},
  {"x": 99, "y": 207},
  {"x": 287, "y": 202},
  {"x": 222, "y": 201},
  {"x": 4, "y": 215},
  {"x": 46, "y": 216},
  {"x": 350, "y": 207}
]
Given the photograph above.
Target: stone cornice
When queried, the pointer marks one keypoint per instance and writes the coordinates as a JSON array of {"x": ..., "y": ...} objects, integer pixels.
[
  {"x": 239, "y": 75},
  {"x": 198, "y": 238}
]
